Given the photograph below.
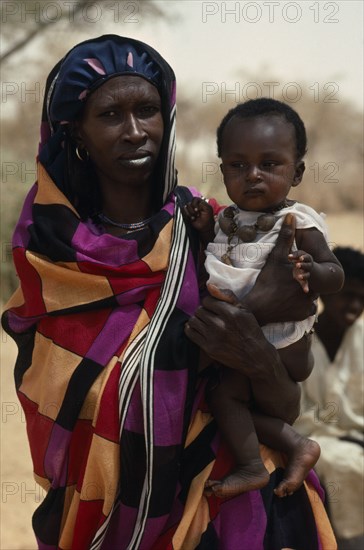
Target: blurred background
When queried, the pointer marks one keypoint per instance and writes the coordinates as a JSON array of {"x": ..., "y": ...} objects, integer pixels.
[{"x": 306, "y": 53}]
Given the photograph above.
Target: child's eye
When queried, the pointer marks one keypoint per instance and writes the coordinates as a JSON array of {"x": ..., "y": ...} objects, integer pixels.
[
  {"x": 240, "y": 165},
  {"x": 270, "y": 164}
]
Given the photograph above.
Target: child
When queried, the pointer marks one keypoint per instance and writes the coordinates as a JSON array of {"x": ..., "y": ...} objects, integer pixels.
[{"x": 261, "y": 144}]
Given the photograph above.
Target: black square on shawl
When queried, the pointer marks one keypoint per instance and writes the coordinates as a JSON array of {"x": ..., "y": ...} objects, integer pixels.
[
  {"x": 48, "y": 516},
  {"x": 110, "y": 302},
  {"x": 175, "y": 351},
  {"x": 210, "y": 540},
  {"x": 52, "y": 232},
  {"x": 25, "y": 343},
  {"x": 290, "y": 521},
  {"x": 196, "y": 457},
  {"x": 147, "y": 238},
  {"x": 132, "y": 473},
  {"x": 78, "y": 386}
]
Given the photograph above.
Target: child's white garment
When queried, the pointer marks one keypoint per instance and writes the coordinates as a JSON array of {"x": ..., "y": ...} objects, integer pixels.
[{"x": 249, "y": 258}]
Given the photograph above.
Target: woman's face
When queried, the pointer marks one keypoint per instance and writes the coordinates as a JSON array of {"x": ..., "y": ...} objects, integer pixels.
[{"x": 122, "y": 129}]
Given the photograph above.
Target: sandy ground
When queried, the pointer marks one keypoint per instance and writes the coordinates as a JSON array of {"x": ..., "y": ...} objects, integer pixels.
[{"x": 19, "y": 493}]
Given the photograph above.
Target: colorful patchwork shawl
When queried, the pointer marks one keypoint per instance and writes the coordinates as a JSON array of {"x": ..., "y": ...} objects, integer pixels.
[{"x": 107, "y": 381}]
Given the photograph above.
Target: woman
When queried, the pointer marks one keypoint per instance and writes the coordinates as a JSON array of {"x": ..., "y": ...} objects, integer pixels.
[{"x": 118, "y": 432}]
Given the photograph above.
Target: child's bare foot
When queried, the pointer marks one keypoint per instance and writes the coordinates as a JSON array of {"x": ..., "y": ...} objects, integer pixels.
[
  {"x": 303, "y": 457},
  {"x": 244, "y": 478}
]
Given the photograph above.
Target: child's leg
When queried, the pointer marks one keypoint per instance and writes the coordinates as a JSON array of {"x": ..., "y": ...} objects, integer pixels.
[
  {"x": 302, "y": 453},
  {"x": 298, "y": 358},
  {"x": 228, "y": 401}
]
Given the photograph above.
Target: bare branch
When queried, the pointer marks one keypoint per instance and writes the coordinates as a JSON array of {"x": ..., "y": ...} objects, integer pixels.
[{"x": 41, "y": 26}]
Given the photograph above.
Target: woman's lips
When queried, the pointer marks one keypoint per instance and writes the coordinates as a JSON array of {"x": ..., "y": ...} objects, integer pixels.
[{"x": 135, "y": 161}]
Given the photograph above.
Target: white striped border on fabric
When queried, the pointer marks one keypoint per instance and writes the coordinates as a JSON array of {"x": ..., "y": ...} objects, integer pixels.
[{"x": 166, "y": 304}]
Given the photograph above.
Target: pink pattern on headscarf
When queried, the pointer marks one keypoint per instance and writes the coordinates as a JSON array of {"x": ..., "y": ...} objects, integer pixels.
[
  {"x": 83, "y": 94},
  {"x": 96, "y": 65},
  {"x": 129, "y": 60}
]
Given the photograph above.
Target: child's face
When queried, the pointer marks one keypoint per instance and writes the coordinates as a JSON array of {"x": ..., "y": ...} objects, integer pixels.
[{"x": 259, "y": 161}]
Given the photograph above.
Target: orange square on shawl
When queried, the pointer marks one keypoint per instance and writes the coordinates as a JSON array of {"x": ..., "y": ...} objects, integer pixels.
[{"x": 46, "y": 380}]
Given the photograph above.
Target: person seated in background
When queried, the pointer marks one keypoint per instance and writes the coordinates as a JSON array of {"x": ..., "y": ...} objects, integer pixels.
[{"x": 332, "y": 401}]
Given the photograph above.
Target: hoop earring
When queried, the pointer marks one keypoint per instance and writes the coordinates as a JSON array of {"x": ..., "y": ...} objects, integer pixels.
[{"x": 79, "y": 156}]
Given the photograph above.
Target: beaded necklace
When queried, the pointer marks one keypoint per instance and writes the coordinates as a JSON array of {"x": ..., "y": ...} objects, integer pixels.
[{"x": 228, "y": 223}]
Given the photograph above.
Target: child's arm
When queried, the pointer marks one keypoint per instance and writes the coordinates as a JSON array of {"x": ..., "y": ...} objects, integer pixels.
[
  {"x": 201, "y": 216},
  {"x": 315, "y": 266}
]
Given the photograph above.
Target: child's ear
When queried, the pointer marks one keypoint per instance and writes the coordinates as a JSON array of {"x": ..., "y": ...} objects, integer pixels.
[{"x": 298, "y": 174}]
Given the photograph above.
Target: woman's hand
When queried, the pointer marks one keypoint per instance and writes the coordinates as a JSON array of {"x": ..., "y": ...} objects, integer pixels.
[
  {"x": 230, "y": 335},
  {"x": 276, "y": 296},
  {"x": 227, "y": 332}
]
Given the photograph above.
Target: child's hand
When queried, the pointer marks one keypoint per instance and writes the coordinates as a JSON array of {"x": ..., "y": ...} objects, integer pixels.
[
  {"x": 303, "y": 265},
  {"x": 201, "y": 215}
]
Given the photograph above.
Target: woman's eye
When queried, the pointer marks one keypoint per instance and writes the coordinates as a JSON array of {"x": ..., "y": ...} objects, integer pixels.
[
  {"x": 108, "y": 113},
  {"x": 149, "y": 110}
]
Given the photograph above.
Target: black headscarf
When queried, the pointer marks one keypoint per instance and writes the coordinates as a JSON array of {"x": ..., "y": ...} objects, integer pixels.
[{"x": 86, "y": 67}]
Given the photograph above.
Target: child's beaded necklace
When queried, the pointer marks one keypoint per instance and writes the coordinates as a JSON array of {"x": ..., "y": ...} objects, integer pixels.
[{"x": 228, "y": 223}]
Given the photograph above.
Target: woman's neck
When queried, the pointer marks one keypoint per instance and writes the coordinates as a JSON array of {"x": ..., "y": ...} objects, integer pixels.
[{"x": 127, "y": 204}]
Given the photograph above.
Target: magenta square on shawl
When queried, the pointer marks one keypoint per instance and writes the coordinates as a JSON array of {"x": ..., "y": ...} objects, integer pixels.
[
  {"x": 169, "y": 405},
  {"x": 241, "y": 522},
  {"x": 117, "y": 328},
  {"x": 103, "y": 249},
  {"x": 55, "y": 460}
]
